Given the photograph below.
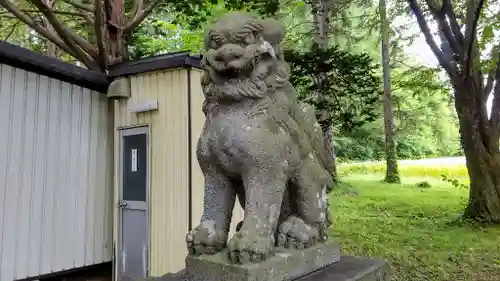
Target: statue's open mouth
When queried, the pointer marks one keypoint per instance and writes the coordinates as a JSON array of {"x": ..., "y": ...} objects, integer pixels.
[
  {"x": 231, "y": 73},
  {"x": 234, "y": 73},
  {"x": 232, "y": 61}
]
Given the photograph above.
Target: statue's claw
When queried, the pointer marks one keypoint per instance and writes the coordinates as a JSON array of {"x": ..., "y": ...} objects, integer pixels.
[
  {"x": 295, "y": 233},
  {"x": 246, "y": 247},
  {"x": 205, "y": 239}
]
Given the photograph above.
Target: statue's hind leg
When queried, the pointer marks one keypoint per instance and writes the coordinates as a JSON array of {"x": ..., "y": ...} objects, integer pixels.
[{"x": 309, "y": 223}]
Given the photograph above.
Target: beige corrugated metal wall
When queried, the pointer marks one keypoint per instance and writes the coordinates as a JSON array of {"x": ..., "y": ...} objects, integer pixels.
[
  {"x": 197, "y": 121},
  {"x": 168, "y": 184},
  {"x": 179, "y": 116},
  {"x": 55, "y": 177}
]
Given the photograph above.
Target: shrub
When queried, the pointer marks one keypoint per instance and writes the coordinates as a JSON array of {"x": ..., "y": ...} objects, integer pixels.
[
  {"x": 362, "y": 149},
  {"x": 363, "y": 146},
  {"x": 456, "y": 183},
  {"x": 423, "y": 184}
]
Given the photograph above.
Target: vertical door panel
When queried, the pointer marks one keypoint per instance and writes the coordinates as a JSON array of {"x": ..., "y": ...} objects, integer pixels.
[{"x": 133, "y": 203}]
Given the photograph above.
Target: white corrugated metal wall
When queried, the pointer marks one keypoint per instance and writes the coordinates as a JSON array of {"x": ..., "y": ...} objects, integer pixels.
[{"x": 55, "y": 175}]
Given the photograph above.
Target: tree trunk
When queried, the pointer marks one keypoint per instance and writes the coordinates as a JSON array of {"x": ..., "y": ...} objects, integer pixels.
[
  {"x": 321, "y": 14},
  {"x": 51, "y": 49},
  {"x": 115, "y": 39},
  {"x": 484, "y": 195},
  {"x": 482, "y": 156},
  {"x": 392, "y": 175}
]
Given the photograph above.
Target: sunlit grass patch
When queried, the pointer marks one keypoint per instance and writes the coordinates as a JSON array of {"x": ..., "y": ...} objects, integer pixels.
[
  {"x": 405, "y": 169},
  {"x": 416, "y": 229}
]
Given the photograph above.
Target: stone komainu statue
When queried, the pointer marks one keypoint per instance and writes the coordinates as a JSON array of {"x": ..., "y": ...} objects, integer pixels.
[{"x": 258, "y": 144}]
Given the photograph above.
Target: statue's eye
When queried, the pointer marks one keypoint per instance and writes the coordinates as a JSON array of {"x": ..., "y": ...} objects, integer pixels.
[{"x": 250, "y": 38}]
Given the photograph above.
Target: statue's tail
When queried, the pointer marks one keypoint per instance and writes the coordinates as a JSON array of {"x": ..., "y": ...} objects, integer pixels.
[{"x": 305, "y": 116}]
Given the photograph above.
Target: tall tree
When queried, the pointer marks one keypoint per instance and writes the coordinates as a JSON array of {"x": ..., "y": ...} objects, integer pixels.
[
  {"x": 473, "y": 80},
  {"x": 95, "y": 32},
  {"x": 321, "y": 12},
  {"x": 391, "y": 174}
]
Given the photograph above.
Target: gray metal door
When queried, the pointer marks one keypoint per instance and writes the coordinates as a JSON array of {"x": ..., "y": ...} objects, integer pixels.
[{"x": 133, "y": 250}]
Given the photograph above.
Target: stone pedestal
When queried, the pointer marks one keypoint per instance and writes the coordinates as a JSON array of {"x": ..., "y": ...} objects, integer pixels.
[
  {"x": 348, "y": 268},
  {"x": 285, "y": 265},
  {"x": 352, "y": 269}
]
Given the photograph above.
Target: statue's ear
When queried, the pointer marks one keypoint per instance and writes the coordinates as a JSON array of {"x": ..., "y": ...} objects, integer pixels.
[{"x": 273, "y": 30}]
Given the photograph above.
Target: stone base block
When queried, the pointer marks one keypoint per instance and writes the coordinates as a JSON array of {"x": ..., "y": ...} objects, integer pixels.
[
  {"x": 352, "y": 269},
  {"x": 285, "y": 265},
  {"x": 347, "y": 269}
]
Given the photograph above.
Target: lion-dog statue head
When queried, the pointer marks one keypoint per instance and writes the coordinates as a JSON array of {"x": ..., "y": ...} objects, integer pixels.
[
  {"x": 243, "y": 58},
  {"x": 259, "y": 144}
]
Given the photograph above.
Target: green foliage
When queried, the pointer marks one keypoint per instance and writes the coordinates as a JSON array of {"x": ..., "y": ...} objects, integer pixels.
[
  {"x": 359, "y": 148},
  {"x": 174, "y": 28},
  {"x": 426, "y": 125},
  {"x": 184, "y": 24},
  {"x": 418, "y": 141},
  {"x": 414, "y": 229},
  {"x": 194, "y": 14},
  {"x": 417, "y": 80},
  {"x": 350, "y": 92},
  {"x": 414, "y": 147},
  {"x": 141, "y": 44}
]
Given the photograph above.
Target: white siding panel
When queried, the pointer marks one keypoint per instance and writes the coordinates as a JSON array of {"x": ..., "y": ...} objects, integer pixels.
[
  {"x": 79, "y": 252},
  {"x": 55, "y": 175},
  {"x": 24, "y": 206},
  {"x": 83, "y": 102},
  {"x": 14, "y": 169},
  {"x": 40, "y": 176},
  {"x": 7, "y": 250},
  {"x": 93, "y": 183}
]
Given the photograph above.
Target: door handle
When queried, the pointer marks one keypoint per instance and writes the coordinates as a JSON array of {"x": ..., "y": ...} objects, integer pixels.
[{"x": 122, "y": 204}]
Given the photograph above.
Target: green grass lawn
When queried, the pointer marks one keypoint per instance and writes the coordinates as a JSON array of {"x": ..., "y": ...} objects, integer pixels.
[{"x": 417, "y": 230}]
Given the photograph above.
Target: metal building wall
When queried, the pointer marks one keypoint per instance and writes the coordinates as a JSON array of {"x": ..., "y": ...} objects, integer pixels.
[
  {"x": 178, "y": 118},
  {"x": 197, "y": 122},
  {"x": 168, "y": 146},
  {"x": 55, "y": 175}
]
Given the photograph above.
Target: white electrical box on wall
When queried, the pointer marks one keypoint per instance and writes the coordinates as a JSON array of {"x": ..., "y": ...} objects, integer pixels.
[{"x": 144, "y": 106}]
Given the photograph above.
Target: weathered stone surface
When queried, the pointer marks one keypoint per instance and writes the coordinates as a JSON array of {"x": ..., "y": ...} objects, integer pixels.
[
  {"x": 349, "y": 268},
  {"x": 259, "y": 144},
  {"x": 352, "y": 269},
  {"x": 285, "y": 265}
]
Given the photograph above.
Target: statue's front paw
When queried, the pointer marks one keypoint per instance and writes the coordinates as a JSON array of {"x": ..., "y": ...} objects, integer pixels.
[
  {"x": 295, "y": 233},
  {"x": 206, "y": 239},
  {"x": 247, "y": 247}
]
